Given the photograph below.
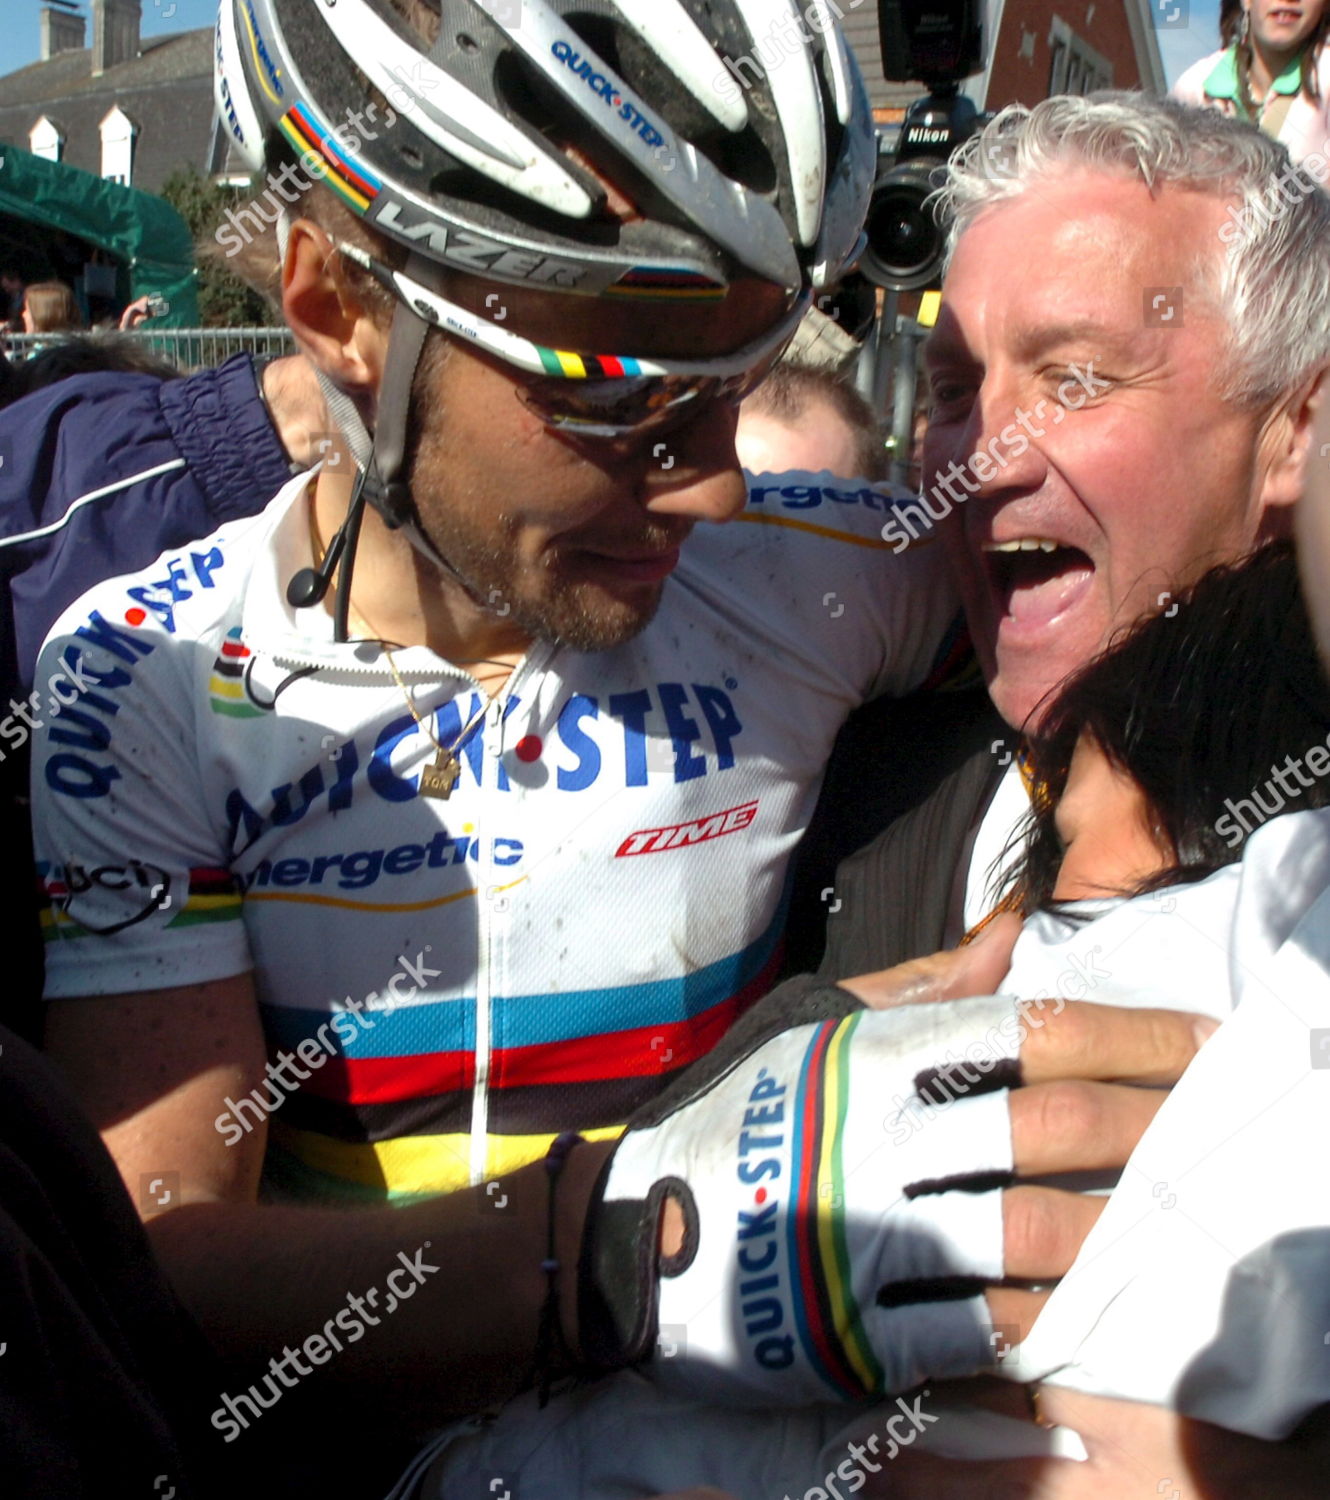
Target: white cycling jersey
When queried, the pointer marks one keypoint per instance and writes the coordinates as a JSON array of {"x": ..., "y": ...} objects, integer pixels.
[{"x": 444, "y": 984}]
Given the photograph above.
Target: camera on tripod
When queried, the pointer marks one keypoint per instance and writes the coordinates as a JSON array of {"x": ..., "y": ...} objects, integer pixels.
[{"x": 939, "y": 42}]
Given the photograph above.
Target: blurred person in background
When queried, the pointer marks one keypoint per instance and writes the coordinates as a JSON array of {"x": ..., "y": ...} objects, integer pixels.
[
  {"x": 107, "y": 461},
  {"x": 92, "y": 353},
  {"x": 139, "y": 311},
  {"x": 49, "y": 307},
  {"x": 809, "y": 417},
  {"x": 1272, "y": 70},
  {"x": 11, "y": 299}
]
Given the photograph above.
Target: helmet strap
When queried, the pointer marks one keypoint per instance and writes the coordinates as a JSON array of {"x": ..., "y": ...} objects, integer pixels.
[
  {"x": 385, "y": 488},
  {"x": 381, "y": 457}
]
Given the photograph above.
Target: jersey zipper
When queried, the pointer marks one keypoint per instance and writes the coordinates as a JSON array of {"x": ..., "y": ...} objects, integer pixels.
[{"x": 492, "y": 912}]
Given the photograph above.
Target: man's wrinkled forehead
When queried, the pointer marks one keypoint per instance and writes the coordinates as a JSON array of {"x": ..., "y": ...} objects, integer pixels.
[{"x": 1104, "y": 242}]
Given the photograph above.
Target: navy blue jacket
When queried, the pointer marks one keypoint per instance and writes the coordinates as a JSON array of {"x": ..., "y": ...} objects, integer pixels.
[{"x": 99, "y": 474}]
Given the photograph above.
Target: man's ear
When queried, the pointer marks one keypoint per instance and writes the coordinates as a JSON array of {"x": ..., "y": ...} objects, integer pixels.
[
  {"x": 331, "y": 324},
  {"x": 1287, "y": 442}
]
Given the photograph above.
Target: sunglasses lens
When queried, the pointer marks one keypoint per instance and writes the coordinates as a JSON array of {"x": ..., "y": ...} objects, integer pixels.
[
  {"x": 616, "y": 408},
  {"x": 649, "y": 403}
]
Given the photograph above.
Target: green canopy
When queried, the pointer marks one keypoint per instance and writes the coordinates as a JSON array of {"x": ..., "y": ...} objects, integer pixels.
[{"x": 141, "y": 230}]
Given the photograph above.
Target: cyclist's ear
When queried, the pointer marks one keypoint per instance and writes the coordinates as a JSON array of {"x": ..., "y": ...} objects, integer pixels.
[{"x": 336, "y": 327}]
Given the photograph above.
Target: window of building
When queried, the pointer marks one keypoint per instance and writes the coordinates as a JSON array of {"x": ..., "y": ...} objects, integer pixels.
[
  {"x": 47, "y": 140},
  {"x": 1077, "y": 68},
  {"x": 118, "y": 133}
]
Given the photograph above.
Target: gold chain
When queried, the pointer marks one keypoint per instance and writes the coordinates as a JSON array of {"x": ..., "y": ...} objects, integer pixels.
[
  {"x": 439, "y": 779},
  {"x": 415, "y": 713}
]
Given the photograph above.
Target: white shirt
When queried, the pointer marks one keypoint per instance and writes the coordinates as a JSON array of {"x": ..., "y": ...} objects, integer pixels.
[{"x": 1205, "y": 1285}]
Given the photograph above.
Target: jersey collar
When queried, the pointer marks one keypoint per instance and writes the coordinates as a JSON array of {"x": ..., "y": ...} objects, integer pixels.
[{"x": 304, "y": 638}]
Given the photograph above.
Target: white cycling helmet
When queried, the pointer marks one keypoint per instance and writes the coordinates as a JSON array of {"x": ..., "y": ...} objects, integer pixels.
[
  {"x": 770, "y": 180},
  {"x": 486, "y": 146}
]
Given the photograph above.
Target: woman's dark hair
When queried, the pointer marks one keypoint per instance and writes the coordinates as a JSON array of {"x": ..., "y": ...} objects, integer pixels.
[{"x": 1199, "y": 706}]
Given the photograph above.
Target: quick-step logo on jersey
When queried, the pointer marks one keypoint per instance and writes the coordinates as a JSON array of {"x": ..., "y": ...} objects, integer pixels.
[
  {"x": 162, "y": 595},
  {"x": 88, "y": 725},
  {"x": 683, "y": 835},
  {"x": 586, "y": 742}
]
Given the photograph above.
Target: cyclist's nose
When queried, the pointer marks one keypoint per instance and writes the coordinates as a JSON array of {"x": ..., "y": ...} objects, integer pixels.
[{"x": 693, "y": 470}]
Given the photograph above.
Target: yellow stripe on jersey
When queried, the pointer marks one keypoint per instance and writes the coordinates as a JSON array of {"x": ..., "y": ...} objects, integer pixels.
[{"x": 412, "y": 1166}]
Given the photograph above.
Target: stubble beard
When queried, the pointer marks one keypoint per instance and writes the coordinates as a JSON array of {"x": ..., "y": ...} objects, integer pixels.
[
  {"x": 546, "y": 600},
  {"x": 540, "y": 599}
]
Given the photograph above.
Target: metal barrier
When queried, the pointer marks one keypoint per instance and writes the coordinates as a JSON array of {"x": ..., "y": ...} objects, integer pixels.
[{"x": 187, "y": 348}]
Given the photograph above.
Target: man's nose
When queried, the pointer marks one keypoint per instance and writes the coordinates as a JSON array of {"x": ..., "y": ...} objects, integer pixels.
[
  {"x": 997, "y": 450},
  {"x": 693, "y": 470}
]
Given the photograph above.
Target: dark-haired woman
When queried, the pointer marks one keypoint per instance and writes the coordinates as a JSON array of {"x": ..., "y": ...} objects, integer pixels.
[
  {"x": 1163, "y": 756},
  {"x": 1178, "y": 856}
]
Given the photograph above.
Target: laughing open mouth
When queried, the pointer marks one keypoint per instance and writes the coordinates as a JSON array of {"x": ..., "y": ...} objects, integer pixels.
[{"x": 1036, "y": 578}]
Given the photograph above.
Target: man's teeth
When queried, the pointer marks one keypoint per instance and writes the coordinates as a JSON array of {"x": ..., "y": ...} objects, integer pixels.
[{"x": 1023, "y": 544}]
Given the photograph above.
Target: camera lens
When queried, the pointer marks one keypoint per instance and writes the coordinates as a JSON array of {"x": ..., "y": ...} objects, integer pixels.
[{"x": 905, "y": 242}]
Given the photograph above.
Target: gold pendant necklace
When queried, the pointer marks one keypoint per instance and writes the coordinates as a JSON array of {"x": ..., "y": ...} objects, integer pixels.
[{"x": 437, "y": 780}]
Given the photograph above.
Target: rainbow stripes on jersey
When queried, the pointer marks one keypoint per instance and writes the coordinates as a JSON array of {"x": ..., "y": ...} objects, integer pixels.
[
  {"x": 388, "y": 1116},
  {"x": 226, "y": 686},
  {"x": 826, "y": 1310},
  {"x": 212, "y": 896}
]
